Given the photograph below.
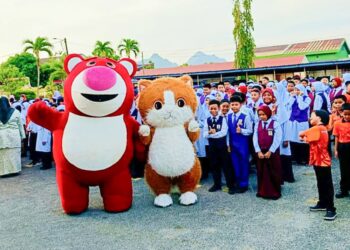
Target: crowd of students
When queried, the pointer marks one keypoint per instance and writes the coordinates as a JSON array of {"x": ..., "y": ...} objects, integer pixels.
[
  {"x": 271, "y": 125},
  {"x": 267, "y": 124},
  {"x": 32, "y": 138}
]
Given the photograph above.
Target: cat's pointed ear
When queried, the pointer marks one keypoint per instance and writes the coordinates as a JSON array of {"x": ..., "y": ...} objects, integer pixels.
[
  {"x": 144, "y": 84},
  {"x": 187, "y": 80}
]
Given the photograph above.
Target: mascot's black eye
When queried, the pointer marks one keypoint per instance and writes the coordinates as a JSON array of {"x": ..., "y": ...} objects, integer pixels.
[
  {"x": 111, "y": 65},
  {"x": 181, "y": 103},
  {"x": 158, "y": 105},
  {"x": 91, "y": 63}
]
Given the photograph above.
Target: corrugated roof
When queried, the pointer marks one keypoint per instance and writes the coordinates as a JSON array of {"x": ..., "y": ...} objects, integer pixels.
[
  {"x": 259, "y": 63},
  {"x": 271, "y": 49},
  {"x": 301, "y": 48}
]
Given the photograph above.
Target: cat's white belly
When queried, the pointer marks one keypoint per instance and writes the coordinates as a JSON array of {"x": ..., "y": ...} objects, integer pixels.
[
  {"x": 171, "y": 152},
  {"x": 94, "y": 143}
]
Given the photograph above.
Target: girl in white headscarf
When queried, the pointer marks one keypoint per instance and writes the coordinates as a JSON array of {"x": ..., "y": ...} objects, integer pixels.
[
  {"x": 321, "y": 98},
  {"x": 299, "y": 119},
  {"x": 282, "y": 116}
]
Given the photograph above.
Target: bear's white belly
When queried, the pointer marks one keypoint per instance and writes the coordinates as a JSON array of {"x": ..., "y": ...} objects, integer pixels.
[
  {"x": 171, "y": 152},
  {"x": 94, "y": 143}
]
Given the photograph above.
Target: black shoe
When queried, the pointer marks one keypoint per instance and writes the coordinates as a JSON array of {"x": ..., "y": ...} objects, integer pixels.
[
  {"x": 214, "y": 189},
  {"x": 231, "y": 191},
  {"x": 242, "y": 190},
  {"x": 290, "y": 180},
  {"x": 9, "y": 175},
  {"x": 330, "y": 215},
  {"x": 341, "y": 195},
  {"x": 317, "y": 208}
]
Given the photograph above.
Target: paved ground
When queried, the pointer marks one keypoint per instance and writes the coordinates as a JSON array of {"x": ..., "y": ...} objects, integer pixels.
[{"x": 31, "y": 218}]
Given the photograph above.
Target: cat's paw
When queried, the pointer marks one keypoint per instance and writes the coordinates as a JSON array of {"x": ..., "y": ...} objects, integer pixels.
[{"x": 144, "y": 130}]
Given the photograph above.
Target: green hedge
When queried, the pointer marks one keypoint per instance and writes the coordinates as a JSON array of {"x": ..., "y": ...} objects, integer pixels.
[{"x": 30, "y": 94}]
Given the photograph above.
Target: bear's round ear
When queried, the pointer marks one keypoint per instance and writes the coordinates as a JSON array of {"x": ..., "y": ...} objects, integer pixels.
[
  {"x": 144, "y": 84},
  {"x": 129, "y": 65},
  {"x": 71, "y": 61},
  {"x": 187, "y": 80}
]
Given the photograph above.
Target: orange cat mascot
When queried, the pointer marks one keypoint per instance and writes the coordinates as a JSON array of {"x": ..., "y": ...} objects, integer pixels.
[{"x": 167, "y": 106}]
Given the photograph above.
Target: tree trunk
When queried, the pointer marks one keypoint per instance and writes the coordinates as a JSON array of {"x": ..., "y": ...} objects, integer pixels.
[{"x": 38, "y": 74}]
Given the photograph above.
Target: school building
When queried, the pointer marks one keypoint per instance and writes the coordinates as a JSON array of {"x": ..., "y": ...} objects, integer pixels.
[{"x": 307, "y": 59}]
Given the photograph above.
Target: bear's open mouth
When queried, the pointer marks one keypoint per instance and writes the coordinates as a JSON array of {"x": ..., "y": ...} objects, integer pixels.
[{"x": 99, "y": 98}]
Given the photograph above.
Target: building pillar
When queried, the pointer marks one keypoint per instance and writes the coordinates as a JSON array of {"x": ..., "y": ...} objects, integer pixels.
[{"x": 337, "y": 70}]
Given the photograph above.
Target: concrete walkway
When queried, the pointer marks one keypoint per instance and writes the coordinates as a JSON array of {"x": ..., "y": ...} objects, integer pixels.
[{"x": 31, "y": 218}]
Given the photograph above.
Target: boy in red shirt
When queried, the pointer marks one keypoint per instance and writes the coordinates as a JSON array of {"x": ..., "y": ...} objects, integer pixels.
[
  {"x": 347, "y": 91},
  {"x": 317, "y": 137},
  {"x": 341, "y": 132}
]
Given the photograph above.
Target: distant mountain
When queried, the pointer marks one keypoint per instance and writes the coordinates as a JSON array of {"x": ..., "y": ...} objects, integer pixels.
[
  {"x": 202, "y": 58},
  {"x": 160, "y": 62}
]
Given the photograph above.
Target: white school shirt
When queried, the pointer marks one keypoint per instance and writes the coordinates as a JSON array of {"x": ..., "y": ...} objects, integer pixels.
[
  {"x": 44, "y": 135},
  {"x": 277, "y": 138},
  {"x": 32, "y": 127},
  {"x": 220, "y": 134}
]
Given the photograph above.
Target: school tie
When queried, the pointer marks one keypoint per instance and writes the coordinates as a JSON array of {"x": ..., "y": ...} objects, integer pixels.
[
  {"x": 214, "y": 122},
  {"x": 265, "y": 124},
  {"x": 234, "y": 119}
]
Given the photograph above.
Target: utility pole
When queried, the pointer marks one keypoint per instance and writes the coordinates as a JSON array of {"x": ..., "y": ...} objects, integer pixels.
[
  {"x": 64, "y": 40},
  {"x": 143, "y": 64},
  {"x": 65, "y": 45}
]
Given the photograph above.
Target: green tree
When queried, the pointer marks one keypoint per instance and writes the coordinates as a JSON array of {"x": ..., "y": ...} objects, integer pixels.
[
  {"x": 103, "y": 49},
  {"x": 242, "y": 33},
  {"x": 115, "y": 57},
  {"x": 149, "y": 65},
  {"x": 129, "y": 46},
  {"x": 56, "y": 73},
  {"x": 40, "y": 44},
  {"x": 11, "y": 78},
  {"x": 26, "y": 63}
]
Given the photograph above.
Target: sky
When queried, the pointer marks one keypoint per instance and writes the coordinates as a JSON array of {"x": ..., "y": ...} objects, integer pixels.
[{"x": 175, "y": 29}]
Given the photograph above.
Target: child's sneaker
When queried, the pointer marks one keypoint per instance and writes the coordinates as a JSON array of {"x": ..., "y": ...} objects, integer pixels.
[
  {"x": 341, "y": 195},
  {"x": 330, "y": 215},
  {"x": 317, "y": 208}
]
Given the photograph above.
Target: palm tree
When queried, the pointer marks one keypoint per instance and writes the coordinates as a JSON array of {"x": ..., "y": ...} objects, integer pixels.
[
  {"x": 103, "y": 49},
  {"x": 41, "y": 44},
  {"x": 58, "y": 72},
  {"x": 129, "y": 46}
]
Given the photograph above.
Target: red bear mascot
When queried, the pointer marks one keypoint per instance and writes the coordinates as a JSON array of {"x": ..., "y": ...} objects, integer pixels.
[{"x": 94, "y": 139}]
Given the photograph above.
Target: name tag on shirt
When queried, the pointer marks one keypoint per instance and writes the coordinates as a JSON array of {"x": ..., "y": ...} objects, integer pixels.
[
  {"x": 218, "y": 127},
  {"x": 270, "y": 132},
  {"x": 240, "y": 122}
]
